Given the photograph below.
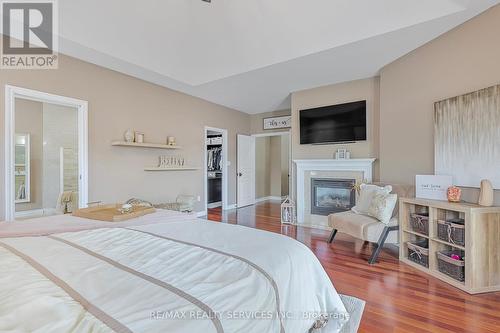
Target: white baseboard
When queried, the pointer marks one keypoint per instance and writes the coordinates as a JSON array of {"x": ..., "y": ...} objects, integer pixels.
[
  {"x": 228, "y": 207},
  {"x": 214, "y": 204},
  {"x": 267, "y": 199}
]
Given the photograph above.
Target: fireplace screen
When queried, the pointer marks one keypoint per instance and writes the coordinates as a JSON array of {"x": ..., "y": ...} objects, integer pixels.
[{"x": 332, "y": 195}]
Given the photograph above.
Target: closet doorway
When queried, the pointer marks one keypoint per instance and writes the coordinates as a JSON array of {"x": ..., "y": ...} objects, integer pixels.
[
  {"x": 215, "y": 168},
  {"x": 46, "y": 149}
]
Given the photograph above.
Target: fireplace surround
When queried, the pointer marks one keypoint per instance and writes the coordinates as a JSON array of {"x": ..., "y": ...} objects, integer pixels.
[{"x": 305, "y": 170}]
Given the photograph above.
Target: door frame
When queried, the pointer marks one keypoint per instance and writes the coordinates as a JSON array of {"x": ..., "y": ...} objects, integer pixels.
[
  {"x": 13, "y": 92},
  {"x": 225, "y": 168},
  {"x": 282, "y": 133}
]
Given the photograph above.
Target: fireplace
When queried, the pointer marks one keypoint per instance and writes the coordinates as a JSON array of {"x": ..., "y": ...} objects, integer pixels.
[{"x": 332, "y": 195}]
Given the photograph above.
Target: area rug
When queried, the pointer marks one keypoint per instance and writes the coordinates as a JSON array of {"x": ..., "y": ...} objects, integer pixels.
[{"x": 355, "y": 307}]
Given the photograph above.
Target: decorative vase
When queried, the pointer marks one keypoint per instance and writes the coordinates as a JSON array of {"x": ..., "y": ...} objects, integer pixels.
[
  {"x": 454, "y": 193},
  {"x": 171, "y": 141},
  {"x": 129, "y": 135},
  {"x": 486, "y": 194}
]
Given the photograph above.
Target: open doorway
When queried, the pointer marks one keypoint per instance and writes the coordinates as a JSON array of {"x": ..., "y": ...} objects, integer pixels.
[
  {"x": 215, "y": 168},
  {"x": 272, "y": 166},
  {"x": 46, "y": 154}
]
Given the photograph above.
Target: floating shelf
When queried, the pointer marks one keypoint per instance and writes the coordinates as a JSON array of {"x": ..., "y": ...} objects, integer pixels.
[
  {"x": 144, "y": 145},
  {"x": 171, "y": 169}
]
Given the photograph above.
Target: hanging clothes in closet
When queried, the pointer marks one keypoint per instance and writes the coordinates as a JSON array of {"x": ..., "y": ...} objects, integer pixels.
[{"x": 214, "y": 159}]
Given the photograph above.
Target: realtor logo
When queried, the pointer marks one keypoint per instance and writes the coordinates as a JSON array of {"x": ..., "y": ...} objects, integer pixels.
[{"x": 29, "y": 34}]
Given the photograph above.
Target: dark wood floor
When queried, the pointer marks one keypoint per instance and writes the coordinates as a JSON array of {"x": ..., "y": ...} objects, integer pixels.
[{"x": 398, "y": 297}]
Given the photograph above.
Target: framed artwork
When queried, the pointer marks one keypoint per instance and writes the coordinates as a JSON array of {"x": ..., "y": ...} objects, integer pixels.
[
  {"x": 467, "y": 136},
  {"x": 277, "y": 122}
]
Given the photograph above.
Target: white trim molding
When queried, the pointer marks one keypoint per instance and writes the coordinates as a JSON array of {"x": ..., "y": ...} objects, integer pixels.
[
  {"x": 13, "y": 92},
  {"x": 364, "y": 165}
]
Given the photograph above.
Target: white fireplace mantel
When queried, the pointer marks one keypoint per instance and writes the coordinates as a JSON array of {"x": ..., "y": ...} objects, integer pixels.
[{"x": 364, "y": 165}]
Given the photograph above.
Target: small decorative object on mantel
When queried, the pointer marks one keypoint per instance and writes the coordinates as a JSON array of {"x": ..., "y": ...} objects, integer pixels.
[
  {"x": 288, "y": 211},
  {"x": 277, "y": 122},
  {"x": 454, "y": 193},
  {"x": 129, "y": 135},
  {"x": 342, "y": 154},
  {"x": 171, "y": 162},
  {"x": 171, "y": 140},
  {"x": 139, "y": 137},
  {"x": 486, "y": 194}
]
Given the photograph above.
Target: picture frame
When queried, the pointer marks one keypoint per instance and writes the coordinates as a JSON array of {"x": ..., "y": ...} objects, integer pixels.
[
  {"x": 432, "y": 187},
  {"x": 277, "y": 122}
]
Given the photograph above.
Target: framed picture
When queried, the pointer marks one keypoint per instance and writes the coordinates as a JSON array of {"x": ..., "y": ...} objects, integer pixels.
[
  {"x": 432, "y": 187},
  {"x": 277, "y": 122}
]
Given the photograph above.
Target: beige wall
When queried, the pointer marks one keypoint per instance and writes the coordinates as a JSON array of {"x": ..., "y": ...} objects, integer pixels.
[
  {"x": 117, "y": 102},
  {"x": 463, "y": 60},
  {"x": 285, "y": 164},
  {"x": 271, "y": 166},
  {"x": 29, "y": 121},
  {"x": 257, "y": 121},
  {"x": 262, "y": 167},
  {"x": 367, "y": 89},
  {"x": 275, "y": 167}
]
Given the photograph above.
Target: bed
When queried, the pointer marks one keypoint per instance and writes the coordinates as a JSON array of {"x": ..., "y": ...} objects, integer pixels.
[{"x": 163, "y": 272}]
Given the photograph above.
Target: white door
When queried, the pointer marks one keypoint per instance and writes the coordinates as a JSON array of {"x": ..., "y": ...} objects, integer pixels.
[{"x": 246, "y": 170}]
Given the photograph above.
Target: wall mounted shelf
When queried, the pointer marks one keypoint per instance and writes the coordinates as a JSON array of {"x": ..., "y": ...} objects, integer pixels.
[
  {"x": 144, "y": 145},
  {"x": 171, "y": 169}
]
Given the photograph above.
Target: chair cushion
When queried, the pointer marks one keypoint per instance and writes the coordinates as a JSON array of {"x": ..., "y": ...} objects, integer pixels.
[{"x": 361, "y": 226}]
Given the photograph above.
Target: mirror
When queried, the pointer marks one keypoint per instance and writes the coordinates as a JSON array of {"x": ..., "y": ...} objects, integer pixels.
[{"x": 22, "y": 168}]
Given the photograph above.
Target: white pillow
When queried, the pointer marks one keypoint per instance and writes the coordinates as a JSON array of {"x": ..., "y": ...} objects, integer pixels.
[
  {"x": 366, "y": 193},
  {"x": 382, "y": 206}
]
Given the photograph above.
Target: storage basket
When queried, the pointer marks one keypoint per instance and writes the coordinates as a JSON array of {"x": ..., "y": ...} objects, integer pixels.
[
  {"x": 420, "y": 223},
  {"x": 451, "y": 231},
  {"x": 452, "y": 267},
  {"x": 419, "y": 252}
]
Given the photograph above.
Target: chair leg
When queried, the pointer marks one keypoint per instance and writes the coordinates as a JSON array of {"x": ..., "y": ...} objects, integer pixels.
[
  {"x": 332, "y": 235},
  {"x": 380, "y": 244}
]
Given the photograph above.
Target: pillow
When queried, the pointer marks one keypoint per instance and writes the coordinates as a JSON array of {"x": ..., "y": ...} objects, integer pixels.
[
  {"x": 366, "y": 193},
  {"x": 382, "y": 206}
]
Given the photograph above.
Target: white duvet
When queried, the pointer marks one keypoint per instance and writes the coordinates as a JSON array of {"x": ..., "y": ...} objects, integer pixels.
[{"x": 165, "y": 272}]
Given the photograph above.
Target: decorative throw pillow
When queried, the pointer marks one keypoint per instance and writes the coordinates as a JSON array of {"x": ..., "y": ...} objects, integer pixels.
[
  {"x": 366, "y": 193},
  {"x": 382, "y": 206}
]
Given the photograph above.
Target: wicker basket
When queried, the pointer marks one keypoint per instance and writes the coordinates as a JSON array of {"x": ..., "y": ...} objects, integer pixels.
[
  {"x": 451, "y": 267},
  {"x": 419, "y": 252},
  {"x": 451, "y": 231},
  {"x": 420, "y": 223}
]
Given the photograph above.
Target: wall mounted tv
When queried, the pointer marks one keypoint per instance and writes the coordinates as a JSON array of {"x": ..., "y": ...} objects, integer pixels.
[{"x": 333, "y": 124}]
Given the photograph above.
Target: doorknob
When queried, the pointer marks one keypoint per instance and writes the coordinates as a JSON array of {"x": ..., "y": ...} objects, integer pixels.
[{"x": 240, "y": 174}]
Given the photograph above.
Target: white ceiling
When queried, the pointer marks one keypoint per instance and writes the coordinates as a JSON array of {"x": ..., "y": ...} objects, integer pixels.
[{"x": 250, "y": 54}]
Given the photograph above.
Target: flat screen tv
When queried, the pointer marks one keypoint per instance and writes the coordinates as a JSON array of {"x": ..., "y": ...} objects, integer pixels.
[{"x": 333, "y": 124}]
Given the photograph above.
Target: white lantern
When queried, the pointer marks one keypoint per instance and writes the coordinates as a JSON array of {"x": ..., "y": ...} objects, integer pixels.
[{"x": 288, "y": 211}]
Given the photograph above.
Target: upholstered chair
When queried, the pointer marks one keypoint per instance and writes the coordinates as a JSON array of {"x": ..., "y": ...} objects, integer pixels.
[{"x": 370, "y": 229}]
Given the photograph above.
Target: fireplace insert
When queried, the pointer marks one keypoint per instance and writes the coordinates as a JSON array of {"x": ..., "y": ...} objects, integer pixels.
[{"x": 330, "y": 195}]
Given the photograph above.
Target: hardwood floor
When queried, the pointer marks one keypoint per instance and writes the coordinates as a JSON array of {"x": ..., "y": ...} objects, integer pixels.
[{"x": 398, "y": 297}]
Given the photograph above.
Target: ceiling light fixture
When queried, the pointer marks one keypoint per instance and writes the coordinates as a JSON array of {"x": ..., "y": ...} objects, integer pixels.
[{"x": 209, "y": 1}]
